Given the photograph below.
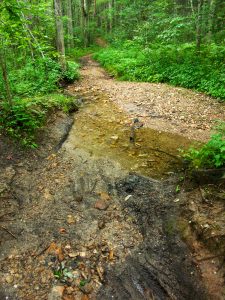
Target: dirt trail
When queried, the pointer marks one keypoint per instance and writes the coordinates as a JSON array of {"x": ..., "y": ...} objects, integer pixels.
[
  {"x": 159, "y": 106},
  {"x": 80, "y": 223}
]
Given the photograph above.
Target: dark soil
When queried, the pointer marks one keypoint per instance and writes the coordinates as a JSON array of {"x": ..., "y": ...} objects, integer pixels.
[{"x": 161, "y": 267}]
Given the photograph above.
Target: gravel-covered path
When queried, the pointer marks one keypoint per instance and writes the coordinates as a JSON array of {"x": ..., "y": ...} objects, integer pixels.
[{"x": 159, "y": 106}]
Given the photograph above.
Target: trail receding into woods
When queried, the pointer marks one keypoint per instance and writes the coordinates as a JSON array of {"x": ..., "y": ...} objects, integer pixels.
[{"x": 95, "y": 216}]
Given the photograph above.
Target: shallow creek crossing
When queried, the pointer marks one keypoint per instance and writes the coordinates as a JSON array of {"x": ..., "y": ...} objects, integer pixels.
[{"x": 98, "y": 218}]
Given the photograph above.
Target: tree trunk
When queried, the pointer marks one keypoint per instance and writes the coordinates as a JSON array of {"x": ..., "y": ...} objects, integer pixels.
[
  {"x": 5, "y": 77},
  {"x": 198, "y": 26},
  {"x": 70, "y": 43},
  {"x": 59, "y": 33},
  {"x": 110, "y": 16},
  {"x": 210, "y": 19},
  {"x": 85, "y": 21}
]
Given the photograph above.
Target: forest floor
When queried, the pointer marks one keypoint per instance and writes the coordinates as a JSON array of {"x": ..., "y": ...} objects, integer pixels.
[{"x": 90, "y": 215}]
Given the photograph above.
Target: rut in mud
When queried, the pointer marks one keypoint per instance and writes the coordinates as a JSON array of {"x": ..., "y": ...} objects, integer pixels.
[{"x": 89, "y": 221}]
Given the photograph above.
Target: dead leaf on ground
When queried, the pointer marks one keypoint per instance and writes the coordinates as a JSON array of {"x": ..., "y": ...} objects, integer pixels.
[
  {"x": 105, "y": 196},
  {"x": 111, "y": 255},
  {"x": 62, "y": 230},
  {"x": 56, "y": 250}
]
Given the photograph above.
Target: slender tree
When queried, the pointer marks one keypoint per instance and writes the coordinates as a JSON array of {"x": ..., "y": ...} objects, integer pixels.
[
  {"x": 70, "y": 43},
  {"x": 60, "y": 33}
]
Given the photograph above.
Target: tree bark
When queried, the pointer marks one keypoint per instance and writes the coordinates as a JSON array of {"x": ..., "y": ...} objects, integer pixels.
[
  {"x": 198, "y": 26},
  {"x": 84, "y": 9},
  {"x": 210, "y": 19},
  {"x": 60, "y": 33},
  {"x": 70, "y": 43},
  {"x": 5, "y": 77}
]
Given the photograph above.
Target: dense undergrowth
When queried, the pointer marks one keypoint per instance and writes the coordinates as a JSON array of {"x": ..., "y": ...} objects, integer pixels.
[
  {"x": 32, "y": 86},
  {"x": 178, "y": 65},
  {"x": 22, "y": 120},
  {"x": 41, "y": 76}
]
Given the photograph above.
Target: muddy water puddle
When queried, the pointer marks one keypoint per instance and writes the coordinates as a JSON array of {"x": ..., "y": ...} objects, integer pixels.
[{"x": 103, "y": 129}]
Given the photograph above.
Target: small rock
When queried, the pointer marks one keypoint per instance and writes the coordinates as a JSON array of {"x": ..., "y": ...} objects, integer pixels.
[
  {"x": 71, "y": 219},
  {"x": 56, "y": 293},
  {"x": 114, "y": 137},
  {"x": 87, "y": 289},
  {"x": 101, "y": 204},
  {"x": 73, "y": 254},
  {"x": 176, "y": 200},
  {"x": 67, "y": 247},
  {"x": 69, "y": 290},
  {"x": 105, "y": 196},
  {"x": 9, "y": 279},
  {"x": 82, "y": 254},
  {"x": 78, "y": 198},
  {"x": 101, "y": 224},
  {"x": 128, "y": 197}
]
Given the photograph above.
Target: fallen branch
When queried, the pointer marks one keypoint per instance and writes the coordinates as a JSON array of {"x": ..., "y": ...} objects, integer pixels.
[
  {"x": 4, "y": 228},
  {"x": 210, "y": 257}
]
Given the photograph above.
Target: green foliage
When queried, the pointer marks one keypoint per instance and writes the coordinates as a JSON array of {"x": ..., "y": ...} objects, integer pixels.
[
  {"x": 26, "y": 116},
  {"x": 71, "y": 73},
  {"x": 39, "y": 77},
  {"x": 210, "y": 155},
  {"x": 78, "y": 52},
  {"x": 177, "y": 65}
]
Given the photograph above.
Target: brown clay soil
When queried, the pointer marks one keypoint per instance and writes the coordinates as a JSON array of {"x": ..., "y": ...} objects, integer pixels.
[{"x": 82, "y": 217}]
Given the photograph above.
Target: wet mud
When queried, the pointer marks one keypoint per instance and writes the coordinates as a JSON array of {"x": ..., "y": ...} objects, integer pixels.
[
  {"x": 161, "y": 266},
  {"x": 102, "y": 128}
]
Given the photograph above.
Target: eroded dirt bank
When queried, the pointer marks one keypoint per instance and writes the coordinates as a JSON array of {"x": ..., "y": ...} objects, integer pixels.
[{"x": 86, "y": 222}]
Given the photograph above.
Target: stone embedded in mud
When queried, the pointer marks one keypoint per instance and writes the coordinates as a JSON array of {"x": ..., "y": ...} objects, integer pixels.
[
  {"x": 73, "y": 254},
  {"x": 101, "y": 204},
  {"x": 56, "y": 293},
  {"x": 87, "y": 288},
  {"x": 101, "y": 224},
  {"x": 105, "y": 196},
  {"x": 9, "y": 279},
  {"x": 71, "y": 219},
  {"x": 78, "y": 198},
  {"x": 114, "y": 137}
]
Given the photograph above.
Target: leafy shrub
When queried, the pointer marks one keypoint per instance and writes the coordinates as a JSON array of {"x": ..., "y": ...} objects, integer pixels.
[
  {"x": 71, "y": 74},
  {"x": 22, "y": 120},
  {"x": 36, "y": 77},
  {"x": 39, "y": 77},
  {"x": 210, "y": 155}
]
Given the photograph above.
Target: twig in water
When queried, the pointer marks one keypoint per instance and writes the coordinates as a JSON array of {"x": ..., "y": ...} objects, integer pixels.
[
  {"x": 161, "y": 151},
  {"x": 210, "y": 257}
]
